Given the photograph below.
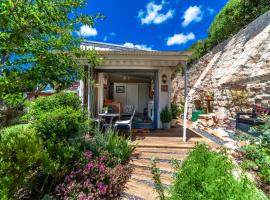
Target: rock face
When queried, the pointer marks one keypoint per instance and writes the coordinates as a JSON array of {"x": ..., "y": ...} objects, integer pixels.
[{"x": 236, "y": 72}]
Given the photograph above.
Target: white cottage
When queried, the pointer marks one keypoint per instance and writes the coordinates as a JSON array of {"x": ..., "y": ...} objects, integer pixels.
[{"x": 131, "y": 76}]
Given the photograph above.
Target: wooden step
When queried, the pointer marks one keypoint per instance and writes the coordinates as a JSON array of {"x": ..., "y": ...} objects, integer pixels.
[
  {"x": 163, "y": 150},
  {"x": 145, "y": 163},
  {"x": 141, "y": 190},
  {"x": 145, "y": 174},
  {"x": 163, "y": 156}
]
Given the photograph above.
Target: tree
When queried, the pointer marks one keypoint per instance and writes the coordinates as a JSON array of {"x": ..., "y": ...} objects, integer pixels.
[
  {"x": 235, "y": 15},
  {"x": 38, "y": 46}
]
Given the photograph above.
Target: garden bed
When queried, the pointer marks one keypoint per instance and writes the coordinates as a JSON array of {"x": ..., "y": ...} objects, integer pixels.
[{"x": 49, "y": 155}]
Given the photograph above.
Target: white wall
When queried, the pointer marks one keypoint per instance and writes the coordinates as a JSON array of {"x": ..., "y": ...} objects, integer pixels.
[
  {"x": 143, "y": 96},
  {"x": 164, "y": 97}
]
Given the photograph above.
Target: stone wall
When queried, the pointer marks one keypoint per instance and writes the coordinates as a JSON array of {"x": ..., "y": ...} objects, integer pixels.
[{"x": 236, "y": 72}]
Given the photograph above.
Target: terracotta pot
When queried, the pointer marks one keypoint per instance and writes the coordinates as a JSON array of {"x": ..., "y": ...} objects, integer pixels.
[{"x": 173, "y": 122}]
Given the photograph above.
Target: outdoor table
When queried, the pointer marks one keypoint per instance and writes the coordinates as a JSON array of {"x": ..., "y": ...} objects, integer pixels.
[{"x": 109, "y": 115}]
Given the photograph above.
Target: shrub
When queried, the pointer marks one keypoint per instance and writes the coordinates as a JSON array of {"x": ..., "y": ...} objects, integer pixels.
[
  {"x": 166, "y": 115},
  {"x": 48, "y": 104},
  {"x": 176, "y": 110},
  {"x": 209, "y": 175},
  {"x": 233, "y": 17},
  {"x": 91, "y": 179},
  {"x": 118, "y": 147},
  {"x": 22, "y": 157},
  {"x": 257, "y": 153},
  {"x": 60, "y": 123}
]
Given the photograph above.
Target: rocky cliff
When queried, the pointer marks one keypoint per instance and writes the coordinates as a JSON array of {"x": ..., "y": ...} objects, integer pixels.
[{"x": 236, "y": 72}]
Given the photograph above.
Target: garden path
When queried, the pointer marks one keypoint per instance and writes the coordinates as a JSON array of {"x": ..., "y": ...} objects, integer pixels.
[{"x": 163, "y": 145}]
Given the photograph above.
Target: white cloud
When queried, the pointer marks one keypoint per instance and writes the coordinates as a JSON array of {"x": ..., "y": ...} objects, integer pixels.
[
  {"x": 153, "y": 14},
  {"x": 180, "y": 38},
  {"x": 138, "y": 46},
  {"x": 112, "y": 34},
  {"x": 211, "y": 11},
  {"x": 87, "y": 31},
  {"x": 105, "y": 38},
  {"x": 192, "y": 14}
]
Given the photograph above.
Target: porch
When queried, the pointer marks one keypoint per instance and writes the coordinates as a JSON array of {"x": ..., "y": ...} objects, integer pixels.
[
  {"x": 164, "y": 145},
  {"x": 133, "y": 77}
]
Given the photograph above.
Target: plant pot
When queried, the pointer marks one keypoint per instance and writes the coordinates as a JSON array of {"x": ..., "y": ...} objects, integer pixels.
[
  {"x": 173, "y": 122},
  {"x": 166, "y": 125}
]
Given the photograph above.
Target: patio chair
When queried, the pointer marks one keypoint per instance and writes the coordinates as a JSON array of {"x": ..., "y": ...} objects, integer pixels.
[
  {"x": 126, "y": 123},
  {"x": 127, "y": 112}
]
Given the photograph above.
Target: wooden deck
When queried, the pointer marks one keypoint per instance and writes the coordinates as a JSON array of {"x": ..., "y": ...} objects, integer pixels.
[{"x": 164, "y": 145}]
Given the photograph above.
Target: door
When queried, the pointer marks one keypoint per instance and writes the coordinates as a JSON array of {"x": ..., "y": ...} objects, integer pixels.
[{"x": 132, "y": 95}]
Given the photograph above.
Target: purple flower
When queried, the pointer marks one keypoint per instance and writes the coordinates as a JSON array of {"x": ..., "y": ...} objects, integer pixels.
[
  {"x": 102, "y": 168},
  {"x": 102, "y": 188},
  {"x": 88, "y": 155}
]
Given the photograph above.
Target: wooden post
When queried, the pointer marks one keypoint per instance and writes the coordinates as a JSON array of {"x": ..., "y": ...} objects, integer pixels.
[{"x": 89, "y": 98}]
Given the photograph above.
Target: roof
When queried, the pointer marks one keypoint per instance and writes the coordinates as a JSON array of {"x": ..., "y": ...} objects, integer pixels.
[
  {"x": 120, "y": 57},
  {"x": 101, "y": 46}
]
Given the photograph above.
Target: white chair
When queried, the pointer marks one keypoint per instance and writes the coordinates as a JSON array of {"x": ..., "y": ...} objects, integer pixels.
[{"x": 126, "y": 123}]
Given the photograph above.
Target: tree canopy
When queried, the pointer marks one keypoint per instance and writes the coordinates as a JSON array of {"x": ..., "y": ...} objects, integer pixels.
[
  {"x": 233, "y": 17},
  {"x": 38, "y": 45}
]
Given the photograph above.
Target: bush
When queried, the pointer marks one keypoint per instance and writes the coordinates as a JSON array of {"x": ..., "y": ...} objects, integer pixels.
[
  {"x": 22, "y": 157},
  {"x": 209, "y": 175},
  {"x": 48, "y": 104},
  {"x": 257, "y": 153},
  {"x": 60, "y": 123},
  {"x": 176, "y": 110},
  {"x": 234, "y": 16},
  {"x": 91, "y": 179},
  {"x": 231, "y": 19},
  {"x": 166, "y": 115},
  {"x": 118, "y": 147}
]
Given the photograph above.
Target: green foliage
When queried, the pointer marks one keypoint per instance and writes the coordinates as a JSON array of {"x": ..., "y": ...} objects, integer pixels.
[
  {"x": 59, "y": 123},
  {"x": 118, "y": 147},
  {"x": 22, "y": 155},
  {"x": 159, "y": 187},
  {"x": 257, "y": 153},
  {"x": 166, "y": 115},
  {"x": 199, "y": 49},
  {"x": 176, "y": 110},
  {"x": 38, "y": 47},
  {"x": 62, "y": 123},
  {"x": 232, "y": 18},
  {"x": 47, "y": 104},
  {"x": 209, "y": 175}
]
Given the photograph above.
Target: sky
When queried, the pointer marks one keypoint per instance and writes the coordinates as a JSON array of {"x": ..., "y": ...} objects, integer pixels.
[{"x": 164, "y": 25}]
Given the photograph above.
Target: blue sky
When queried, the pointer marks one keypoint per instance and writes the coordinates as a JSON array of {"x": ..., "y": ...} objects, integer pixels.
[{"x": 159, "y": 24}]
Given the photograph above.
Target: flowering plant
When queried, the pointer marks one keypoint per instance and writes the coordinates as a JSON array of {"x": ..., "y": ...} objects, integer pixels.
[{"x": 92, "y": 179}]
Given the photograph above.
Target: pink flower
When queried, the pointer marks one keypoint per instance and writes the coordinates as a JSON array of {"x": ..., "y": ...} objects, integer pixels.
[
  {"x": 88, "y": 155},
  {"x": 102, "y": 188},
  {"x": 102, "y": 168}
]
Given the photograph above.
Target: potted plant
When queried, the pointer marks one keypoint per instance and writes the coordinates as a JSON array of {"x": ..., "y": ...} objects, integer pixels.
[
  {"x": 166, "y": 117},
  {"x": 176, "y": 110}
]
